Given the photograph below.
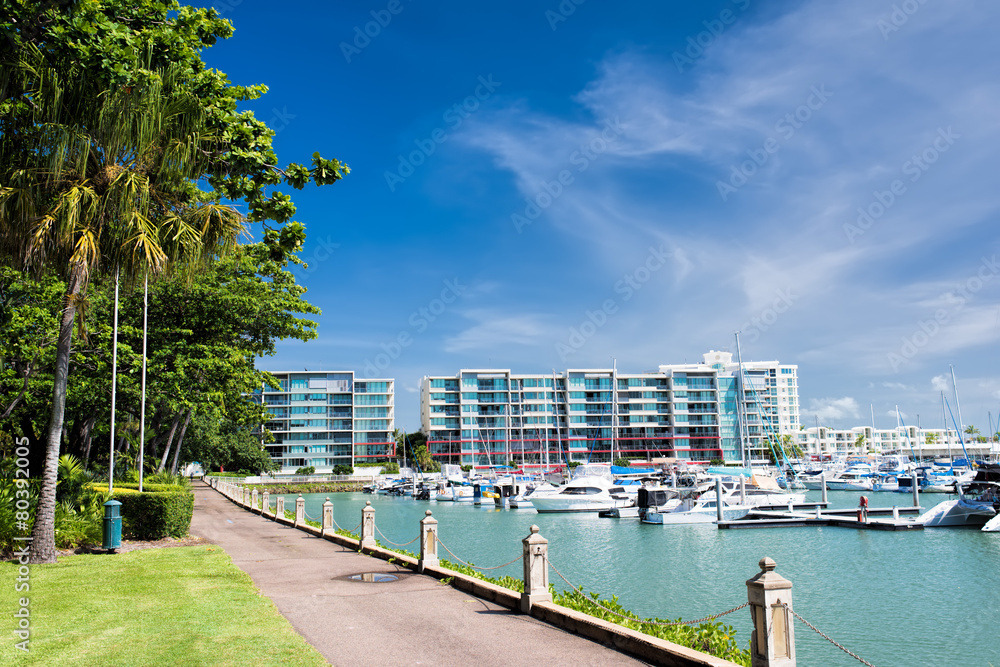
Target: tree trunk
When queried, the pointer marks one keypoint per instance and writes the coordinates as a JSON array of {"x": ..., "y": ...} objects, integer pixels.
[
  {"x": 170, "y": 439},
  {"x": 88, "y": 427},
  {"x": 180, "y": 442},
  {"x": 43, "y": 544}
]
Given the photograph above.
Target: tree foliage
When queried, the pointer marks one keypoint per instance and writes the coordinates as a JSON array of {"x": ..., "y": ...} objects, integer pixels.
[{"x": 122, "y": 153}]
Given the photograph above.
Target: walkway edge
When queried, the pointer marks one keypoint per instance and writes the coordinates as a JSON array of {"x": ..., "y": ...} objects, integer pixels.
[{"x": 645, "y": 647}]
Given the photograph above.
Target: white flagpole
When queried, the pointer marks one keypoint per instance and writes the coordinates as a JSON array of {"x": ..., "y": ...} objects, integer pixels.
[
  {"x": 142, "y": 408},
  {"x": 114, "y": 388}
]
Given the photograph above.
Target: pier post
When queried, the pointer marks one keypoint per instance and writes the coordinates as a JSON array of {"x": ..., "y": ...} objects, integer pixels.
[
  {"x": 536, "y": 570},
  {"x": 743, "y": 490},
  {"x": 327, "y": 517},
  {"x": 279, "y": 507},
  {"x": 916, "y": 491},
  {"x": 367, "y": 525},
  {"x": 300, "y": 511},
  {"x": 718, "y": 499},
  {"x": 772, "y": 643},
  {"x": 428, "y": 542},
  {"x": 253, "y": 498},
  {"x": 265, "y": 503},
  {"x": 822, "y": 481}
]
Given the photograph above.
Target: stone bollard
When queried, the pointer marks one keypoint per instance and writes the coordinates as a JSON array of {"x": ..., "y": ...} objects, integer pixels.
[
  {"x": 367, "y": 526},
  {"x": 265, "y": 503},
  {"x": 279, "y": 509},
  {"x": 327, "y": 517},
  {"x": 253, "y": 499},
  {"x": 428, "y": 542},
  {"x": 300, "y": 511},
  {"x": 536, "y": 570},
  {"x": 772, "y": 643}
]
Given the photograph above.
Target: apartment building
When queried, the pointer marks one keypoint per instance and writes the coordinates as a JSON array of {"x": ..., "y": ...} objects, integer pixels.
[
  {"x": 323, "y": 419},
  {"x": 919, "y": 443},
  {"x": 486, "y": 417}
]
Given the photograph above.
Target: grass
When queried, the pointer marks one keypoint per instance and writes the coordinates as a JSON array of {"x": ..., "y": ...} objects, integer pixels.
[{"x": 176, "y": 606}]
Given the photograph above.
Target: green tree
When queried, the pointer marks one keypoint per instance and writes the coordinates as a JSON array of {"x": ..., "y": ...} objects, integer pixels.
[{"x": 108, "y": 121}]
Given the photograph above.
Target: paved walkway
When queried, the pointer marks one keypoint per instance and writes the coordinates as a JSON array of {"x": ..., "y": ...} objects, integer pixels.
[{"x": 413, "y": 621}]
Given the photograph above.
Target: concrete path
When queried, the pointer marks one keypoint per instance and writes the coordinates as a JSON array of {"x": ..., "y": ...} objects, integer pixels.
[{"x": 413, "y": 621}]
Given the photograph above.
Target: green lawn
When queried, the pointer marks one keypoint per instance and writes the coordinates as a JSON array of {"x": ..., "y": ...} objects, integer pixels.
[{"x": 175, "y": 606}]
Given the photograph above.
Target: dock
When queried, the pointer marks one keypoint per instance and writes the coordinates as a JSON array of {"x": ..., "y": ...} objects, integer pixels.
[{"x": 882, "y": 518}]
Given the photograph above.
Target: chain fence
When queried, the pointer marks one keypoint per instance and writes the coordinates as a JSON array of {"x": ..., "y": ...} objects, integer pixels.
[
  {"x": 827, "y": 637},
  {"x": 476, "y": 567},
  {"x": 638, "y": 620},
  {"x": 393, "y": 543}
]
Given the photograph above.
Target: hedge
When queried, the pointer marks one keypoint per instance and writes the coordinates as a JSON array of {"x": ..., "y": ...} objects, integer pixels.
[
  {"x": 126, "y": 487},
  {"x": 154, "y": 515}
]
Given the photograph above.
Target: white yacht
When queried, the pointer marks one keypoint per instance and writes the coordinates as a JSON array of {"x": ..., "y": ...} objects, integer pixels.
[{"x": 592, "y": 489}]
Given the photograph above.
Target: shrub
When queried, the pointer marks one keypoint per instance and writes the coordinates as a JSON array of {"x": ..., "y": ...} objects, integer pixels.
[
  {"x": 343, "y": 469},
  {"x": 128, "y": 487},
  {"x": 622, "y": 461},
  {"x": 156, "y": 514},
  {"x": 391, "y": 468},
  {"x": 306, "y": 470}
]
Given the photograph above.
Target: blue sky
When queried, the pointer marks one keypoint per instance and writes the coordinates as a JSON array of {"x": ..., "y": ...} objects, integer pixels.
[{"x": 541, "y": 185}]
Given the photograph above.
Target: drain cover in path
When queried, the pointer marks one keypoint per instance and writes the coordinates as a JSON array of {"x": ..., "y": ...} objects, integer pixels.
[{"x": 374, "y": 577}]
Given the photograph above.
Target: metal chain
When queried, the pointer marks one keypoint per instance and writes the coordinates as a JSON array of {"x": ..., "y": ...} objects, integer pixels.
[
  {"x": 476, "y": 567},
  {"x": 393, "y": 543},
  {"x": 827, "y": 637},
  {"x": 636, "y": 620}
]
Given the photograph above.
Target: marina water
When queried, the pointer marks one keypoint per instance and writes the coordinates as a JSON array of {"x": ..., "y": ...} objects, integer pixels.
[{"x": 926, "y": 597}]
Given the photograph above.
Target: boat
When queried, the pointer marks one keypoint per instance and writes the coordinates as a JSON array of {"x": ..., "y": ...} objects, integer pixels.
[
  {"x": 693, "y": 508},
  {"x": 592, "y": 489},
  {"x": 978, "y": 503}
]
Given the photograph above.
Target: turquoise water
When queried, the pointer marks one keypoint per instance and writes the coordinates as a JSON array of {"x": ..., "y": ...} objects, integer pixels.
[{"x": 928, "y": 597}]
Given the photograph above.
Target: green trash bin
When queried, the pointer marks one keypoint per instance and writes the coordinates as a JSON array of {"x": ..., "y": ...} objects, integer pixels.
[{"x": 112, "y": 525}]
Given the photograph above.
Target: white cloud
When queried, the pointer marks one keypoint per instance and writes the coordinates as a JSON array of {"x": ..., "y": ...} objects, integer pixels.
[
  {"x": 941, "y": 383},
  {"x": 495, "y": 330},
  {"x": 833, "y": 409}
]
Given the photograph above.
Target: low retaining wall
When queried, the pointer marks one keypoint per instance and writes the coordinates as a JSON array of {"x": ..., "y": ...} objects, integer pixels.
[{"x": 645, "y": 647}]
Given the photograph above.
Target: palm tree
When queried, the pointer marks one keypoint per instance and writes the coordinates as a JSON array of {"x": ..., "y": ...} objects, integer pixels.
[{"x": 100, "y": 181}]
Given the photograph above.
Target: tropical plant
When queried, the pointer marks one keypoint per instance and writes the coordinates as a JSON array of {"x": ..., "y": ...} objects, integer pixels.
[{"x": 108, "y": 120}]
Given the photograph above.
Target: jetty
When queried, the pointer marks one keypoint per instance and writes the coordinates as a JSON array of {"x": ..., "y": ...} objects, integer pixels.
[{"x": 880, "y": 518}]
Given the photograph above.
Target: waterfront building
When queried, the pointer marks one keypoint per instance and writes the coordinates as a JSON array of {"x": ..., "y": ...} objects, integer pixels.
[
  {"x": 323, "y": 419},
  {"x": 922, "y": 443},
  {"x": 487, "y": 417}
]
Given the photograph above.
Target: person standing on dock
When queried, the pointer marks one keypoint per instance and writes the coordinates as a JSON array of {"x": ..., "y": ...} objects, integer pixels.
[{"x": 863, "y": 510}]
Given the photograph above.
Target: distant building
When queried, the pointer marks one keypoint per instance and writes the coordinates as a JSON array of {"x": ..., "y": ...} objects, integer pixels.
[
  {"x": 487, "y": 417},
  {"x": 909, "y": 440},
  {"x": 324, "y": 419}
]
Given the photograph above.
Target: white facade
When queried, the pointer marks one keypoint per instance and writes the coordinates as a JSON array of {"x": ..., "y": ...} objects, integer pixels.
[
  {"x": 910, "y": 440},
  {"x": 323, "y": 419}
]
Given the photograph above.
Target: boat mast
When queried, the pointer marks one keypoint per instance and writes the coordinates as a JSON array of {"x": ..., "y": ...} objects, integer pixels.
[
  {"x": 944, "y": 416},
  {"x": 958, "y": 406},
  {"x": 739, "y": 402},
  {"x": 872, "y": 407},
  {"x": 614, "y": 405}
]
